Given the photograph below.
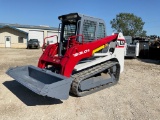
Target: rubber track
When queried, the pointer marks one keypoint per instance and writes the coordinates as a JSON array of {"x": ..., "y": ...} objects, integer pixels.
[{"x": 91, "y": 72}]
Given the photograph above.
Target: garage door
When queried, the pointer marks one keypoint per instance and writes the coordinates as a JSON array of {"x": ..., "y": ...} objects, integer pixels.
[
  {"x": 36, "y": 35},
  {"x": 52, "y": 40}
]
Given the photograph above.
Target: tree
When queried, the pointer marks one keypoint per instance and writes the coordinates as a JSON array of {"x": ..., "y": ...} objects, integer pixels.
[{"x": 128, "y": 24}]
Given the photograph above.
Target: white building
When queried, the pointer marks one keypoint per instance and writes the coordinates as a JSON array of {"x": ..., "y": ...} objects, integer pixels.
[{"x": 16, "y": 36}]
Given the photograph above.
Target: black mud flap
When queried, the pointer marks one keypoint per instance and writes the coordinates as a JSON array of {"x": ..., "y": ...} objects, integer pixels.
[{"x": 41, "y": 81}]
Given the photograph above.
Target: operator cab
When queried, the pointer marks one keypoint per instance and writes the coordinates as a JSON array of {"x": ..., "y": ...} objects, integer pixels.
[
  {"x": 83, "y": 28},
  {"x": 69, "y": 25}
]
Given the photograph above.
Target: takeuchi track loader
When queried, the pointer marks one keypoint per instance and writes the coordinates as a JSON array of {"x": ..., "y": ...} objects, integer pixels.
[{"x": 83, "y": 61}]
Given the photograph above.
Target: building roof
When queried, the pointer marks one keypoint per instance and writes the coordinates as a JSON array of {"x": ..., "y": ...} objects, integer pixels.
[
  {"x": 29, "y": 26},
  {"x": 14, "y": 28}
]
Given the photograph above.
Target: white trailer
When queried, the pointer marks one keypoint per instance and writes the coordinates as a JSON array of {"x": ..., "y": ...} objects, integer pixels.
[{"x": 131, "y": 49}]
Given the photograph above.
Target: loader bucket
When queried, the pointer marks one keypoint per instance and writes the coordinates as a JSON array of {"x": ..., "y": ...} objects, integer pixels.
[{"x": 41, "y": 81}]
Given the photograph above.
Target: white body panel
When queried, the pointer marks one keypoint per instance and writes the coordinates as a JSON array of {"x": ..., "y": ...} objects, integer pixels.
[
  {"x": 118, "y": 54},
  {"x": 37, "y": 35}
]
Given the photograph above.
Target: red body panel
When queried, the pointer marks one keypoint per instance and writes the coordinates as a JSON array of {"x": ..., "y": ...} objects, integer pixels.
[{"x": 72, "y": 56}]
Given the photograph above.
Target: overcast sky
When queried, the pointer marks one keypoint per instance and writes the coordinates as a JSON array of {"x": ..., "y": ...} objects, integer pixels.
[{"x": 46, "y": 12}]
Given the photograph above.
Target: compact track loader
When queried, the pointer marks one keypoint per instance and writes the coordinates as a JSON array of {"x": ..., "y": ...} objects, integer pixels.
[{"x": 83, "y": 61}]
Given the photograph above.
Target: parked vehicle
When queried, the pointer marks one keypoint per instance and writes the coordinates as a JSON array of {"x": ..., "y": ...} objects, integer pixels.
[
  {"x": 33, "y": 43},
  {"x": 131, "y": 48}
]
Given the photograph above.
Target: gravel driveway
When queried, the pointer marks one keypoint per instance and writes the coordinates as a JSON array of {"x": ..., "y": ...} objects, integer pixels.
[{"x": 136, "y": 96}]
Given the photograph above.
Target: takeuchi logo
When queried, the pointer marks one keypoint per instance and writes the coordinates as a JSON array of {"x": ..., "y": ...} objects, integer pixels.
[{"x": 81, "y": 52}]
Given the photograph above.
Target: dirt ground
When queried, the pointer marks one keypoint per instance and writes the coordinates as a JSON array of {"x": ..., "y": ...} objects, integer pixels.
[{"x": 136, "y": 96}]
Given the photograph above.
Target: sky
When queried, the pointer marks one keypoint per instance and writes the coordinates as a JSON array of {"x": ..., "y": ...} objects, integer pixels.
[{"x": 46, "y": 12}]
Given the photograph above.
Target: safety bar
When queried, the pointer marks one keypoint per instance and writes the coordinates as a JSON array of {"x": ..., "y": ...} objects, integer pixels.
[
  {"x": 45, "y": 40},
  {"x": 74, "y": 37}
]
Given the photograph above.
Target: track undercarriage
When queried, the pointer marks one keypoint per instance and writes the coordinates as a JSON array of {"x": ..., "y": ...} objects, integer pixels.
[{"x": 95, "y": 78}]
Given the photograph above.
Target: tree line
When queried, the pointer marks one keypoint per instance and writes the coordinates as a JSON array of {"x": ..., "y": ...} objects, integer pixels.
[{"x": 129, "y": 24}]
